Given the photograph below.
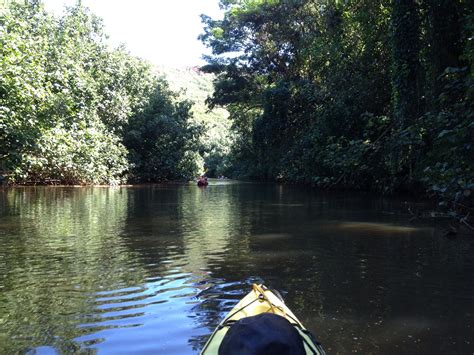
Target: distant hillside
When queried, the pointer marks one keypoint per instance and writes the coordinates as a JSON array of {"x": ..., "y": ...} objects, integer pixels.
[{"x": 197, "y": 86}]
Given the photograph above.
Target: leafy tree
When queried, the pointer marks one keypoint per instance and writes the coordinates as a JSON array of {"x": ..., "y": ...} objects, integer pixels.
[
  {"x": 362, "y": 94},
  {"x": 67, "y": 101},
  {"x": 194, "y": 85},
  {"x": 162, "y": 141}
]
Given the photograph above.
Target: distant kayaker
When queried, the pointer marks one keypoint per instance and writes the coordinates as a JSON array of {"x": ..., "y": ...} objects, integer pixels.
[{"x": 202, "y": 181}]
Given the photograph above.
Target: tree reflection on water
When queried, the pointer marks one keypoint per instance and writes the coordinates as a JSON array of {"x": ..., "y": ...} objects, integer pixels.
[{"x": 155, "y": 268}]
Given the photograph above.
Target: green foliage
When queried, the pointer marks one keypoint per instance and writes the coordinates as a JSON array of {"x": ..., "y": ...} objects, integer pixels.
[
  {"x": 348, "y": 93},
  {"x": 215, "y": 142},
  {"x": 67, "y": 101},
  {"x": 162, "y": 141},
  {"x": 449, "y": 133},
  {"x": 84, "y": 155}
]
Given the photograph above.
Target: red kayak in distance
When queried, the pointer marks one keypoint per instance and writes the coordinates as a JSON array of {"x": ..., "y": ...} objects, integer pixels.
[{"x": 202, "y": 181}]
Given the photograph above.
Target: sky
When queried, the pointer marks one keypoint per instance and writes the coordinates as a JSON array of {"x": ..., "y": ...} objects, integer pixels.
[{"x": 162, "y": 31}]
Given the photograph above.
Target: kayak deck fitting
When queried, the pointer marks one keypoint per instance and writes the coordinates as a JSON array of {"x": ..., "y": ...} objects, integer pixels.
[{"x": 260, "y": 300}]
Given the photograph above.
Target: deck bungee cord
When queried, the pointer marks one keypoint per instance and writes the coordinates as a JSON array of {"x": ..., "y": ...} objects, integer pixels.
[{"x": 261, "y": 323}]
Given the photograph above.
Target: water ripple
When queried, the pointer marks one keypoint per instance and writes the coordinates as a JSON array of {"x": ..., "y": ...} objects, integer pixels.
[{"x": 154, "y": 269}]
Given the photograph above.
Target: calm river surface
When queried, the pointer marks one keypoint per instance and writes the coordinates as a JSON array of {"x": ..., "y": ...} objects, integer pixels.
[{"x": 153, "y": 269}]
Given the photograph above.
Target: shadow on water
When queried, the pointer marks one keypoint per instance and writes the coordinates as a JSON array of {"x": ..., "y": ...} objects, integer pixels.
[{"x": 155, "y": 268}]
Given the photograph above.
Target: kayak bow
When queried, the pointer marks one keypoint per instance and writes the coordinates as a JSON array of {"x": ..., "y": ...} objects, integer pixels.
[{"x": 260, "y": 300}]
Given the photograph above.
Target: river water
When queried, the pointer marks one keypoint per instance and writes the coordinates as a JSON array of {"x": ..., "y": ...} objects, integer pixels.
[{"x": 153, "y": 269}]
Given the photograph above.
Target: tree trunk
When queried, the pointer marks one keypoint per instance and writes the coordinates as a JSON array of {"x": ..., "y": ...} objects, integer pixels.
[{"x": 405, "y": 61}]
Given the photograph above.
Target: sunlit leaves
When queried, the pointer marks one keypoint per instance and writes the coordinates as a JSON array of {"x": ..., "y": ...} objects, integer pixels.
[
  {"x": 162, "y": 139},
  {"x": 66, "y": 99}
]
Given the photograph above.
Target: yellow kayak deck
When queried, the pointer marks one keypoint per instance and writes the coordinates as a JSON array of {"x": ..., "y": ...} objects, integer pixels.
[{"x": 260, "y": 300}]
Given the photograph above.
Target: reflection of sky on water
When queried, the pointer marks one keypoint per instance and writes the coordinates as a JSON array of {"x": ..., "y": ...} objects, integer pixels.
[{"x": 155, "y": 268}]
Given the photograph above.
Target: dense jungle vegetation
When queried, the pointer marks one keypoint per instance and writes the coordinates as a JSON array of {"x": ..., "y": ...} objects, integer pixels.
[
  {"x": 74, "y": 111},
  {"x": 193, "y": 84},
  {"x": 361, "y": 94}
]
